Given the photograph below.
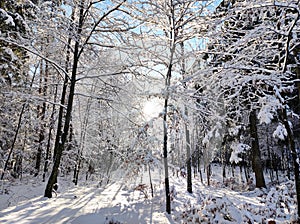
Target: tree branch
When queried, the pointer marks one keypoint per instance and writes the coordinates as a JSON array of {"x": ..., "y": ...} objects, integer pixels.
[{"x": 96, "y": 24}]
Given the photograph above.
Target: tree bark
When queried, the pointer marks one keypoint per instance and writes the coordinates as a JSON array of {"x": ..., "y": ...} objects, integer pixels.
[{"x": 256, "y": 158}]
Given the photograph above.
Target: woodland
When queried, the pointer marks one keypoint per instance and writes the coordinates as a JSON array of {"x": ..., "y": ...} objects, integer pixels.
[{"x": 102, "y": 90}]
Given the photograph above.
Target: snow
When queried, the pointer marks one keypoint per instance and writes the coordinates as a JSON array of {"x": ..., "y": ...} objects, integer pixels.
[
  {"x": 8, "y": 19},
  {"x": 84, "y": 205},
  {"x": 280, "y": 132},
  {"x": 269, "y": 107},
  {"x": 231, "y": 201},
  {"x": 278, "y": 95},
  {"x": 237, "y": 148},
  {"x": 233, "y": 131},
  {"x": 11, "y": 54}
]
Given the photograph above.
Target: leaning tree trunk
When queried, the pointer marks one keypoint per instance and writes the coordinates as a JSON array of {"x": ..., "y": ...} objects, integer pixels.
[
  {"x": 63, "y": 94},
  {"x": 14, "y": 141},
  {"x": 59, "y": 149},
  {"x": 256, "y": 158}
]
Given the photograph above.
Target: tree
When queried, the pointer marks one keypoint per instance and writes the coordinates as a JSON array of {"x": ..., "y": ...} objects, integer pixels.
[
  {"x": 79, "y": 48},
  {"x": 256, "y": 157}
]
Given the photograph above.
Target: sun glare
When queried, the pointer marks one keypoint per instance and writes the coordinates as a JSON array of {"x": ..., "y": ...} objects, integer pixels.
[{"x": 152, "y": 108}]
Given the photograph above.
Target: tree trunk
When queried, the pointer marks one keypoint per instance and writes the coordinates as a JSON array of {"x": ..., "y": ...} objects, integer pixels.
[
  {"x": 48, "y": 148},
  {"x": 81, "y": 147},
  {"x": 270, "y": 159},
  {"x": 165, "y": 156},
  {"x": 41, "y": 116},
  {"x": 256, "y": 158},
  {"x": 77, "y": 170},
  {"x": 150, "y": 180},
  {"x": 14, "y": 141},
  {"x": 18, "y": 167},
  {"x": 39, "y": 152},
  {"x": 293, "y": 150},
  {"x": 64, "y": 91},
  {"x": 61, "y": 111},
  {"x": 208, "y": 173},
  {"x": 223, "y": 159},
  {"x": 188, "y": 158},
  {"x": 59, "y": 149},
  {"x": 187, "y": 131},
  {"x": 246, "y": 173},
  {"x": 172, "y": 37}
]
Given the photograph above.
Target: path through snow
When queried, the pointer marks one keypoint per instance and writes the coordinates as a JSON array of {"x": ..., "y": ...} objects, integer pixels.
[{"x": 86, "y": 205}]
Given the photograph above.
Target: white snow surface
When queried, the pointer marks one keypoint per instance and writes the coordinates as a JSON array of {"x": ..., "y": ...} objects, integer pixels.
[
  {"x": 8, "y": 19},
  {"x": 269, "y": 106},
  {"x": 238, "y": 148},
  {"x": 280, "y": 132},
  {"x": 231, "y": 201}
]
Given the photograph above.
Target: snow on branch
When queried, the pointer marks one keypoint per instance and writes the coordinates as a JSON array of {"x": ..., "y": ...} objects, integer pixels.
[
  {"x": 238, "y": 148},
  {"x": 280, "y": 132},
  {"x": 8, "y": 20},
  {"x": 269, "y": 107}
]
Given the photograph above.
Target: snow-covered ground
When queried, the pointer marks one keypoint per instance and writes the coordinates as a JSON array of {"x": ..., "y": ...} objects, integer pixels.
[{"x": 118, "y": 202}]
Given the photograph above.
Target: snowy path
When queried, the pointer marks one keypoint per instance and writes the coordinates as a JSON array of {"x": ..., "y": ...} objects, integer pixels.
[{"x": 86, "y": 205}]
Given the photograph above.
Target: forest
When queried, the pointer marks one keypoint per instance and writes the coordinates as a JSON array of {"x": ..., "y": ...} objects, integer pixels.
[{"x": 184, "y": 109}]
